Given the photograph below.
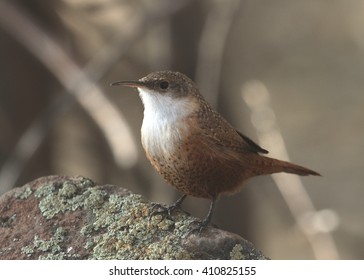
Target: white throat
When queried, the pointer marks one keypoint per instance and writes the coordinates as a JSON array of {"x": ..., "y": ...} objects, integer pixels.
[{"x": 163, "y": 121}]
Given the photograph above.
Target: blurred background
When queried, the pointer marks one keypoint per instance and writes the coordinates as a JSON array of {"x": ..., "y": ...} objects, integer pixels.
[{"x": 289, "y": 74}]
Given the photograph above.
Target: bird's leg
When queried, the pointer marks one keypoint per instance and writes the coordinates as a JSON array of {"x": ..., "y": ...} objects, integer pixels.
[
  {"x": 201, "y": 225},
  {"x": 166, "y": 211}
]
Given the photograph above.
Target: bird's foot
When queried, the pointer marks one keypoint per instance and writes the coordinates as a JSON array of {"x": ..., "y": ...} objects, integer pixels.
[
  {"x": 200, "y": 226},
  {"x": 166, "y": 211},
  {"x": 197, "y": 227}
]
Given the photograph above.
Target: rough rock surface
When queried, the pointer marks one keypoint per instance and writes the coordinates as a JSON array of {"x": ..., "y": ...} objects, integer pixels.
[{"x": 58, "y": 217}]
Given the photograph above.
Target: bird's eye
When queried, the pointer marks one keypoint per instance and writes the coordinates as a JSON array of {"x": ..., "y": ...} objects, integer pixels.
[{"x": 163, "y": 84}]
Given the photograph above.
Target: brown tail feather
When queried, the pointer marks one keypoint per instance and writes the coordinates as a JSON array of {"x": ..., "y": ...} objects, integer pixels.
[{"x": 285, "y": 166}]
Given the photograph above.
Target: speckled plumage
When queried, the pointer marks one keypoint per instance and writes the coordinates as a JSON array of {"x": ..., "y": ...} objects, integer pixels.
[{"x": 192, "y": 146}]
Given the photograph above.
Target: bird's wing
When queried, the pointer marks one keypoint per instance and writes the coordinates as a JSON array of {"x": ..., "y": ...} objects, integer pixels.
[
  {"x": 217, "y": 131},
  {"x": 252, "y": 144}
]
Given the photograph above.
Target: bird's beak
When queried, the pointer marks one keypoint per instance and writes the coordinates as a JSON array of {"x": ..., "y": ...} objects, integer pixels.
[{"x": 133, "y": 84}]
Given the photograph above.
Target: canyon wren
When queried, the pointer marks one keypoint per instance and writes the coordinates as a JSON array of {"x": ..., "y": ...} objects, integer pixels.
[{"x": 193, "y": 147}]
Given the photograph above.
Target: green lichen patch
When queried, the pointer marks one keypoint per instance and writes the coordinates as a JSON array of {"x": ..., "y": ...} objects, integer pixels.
[
  {"x": 57, "y": 198},
  {"x": 68, "y": 190},
  {"x": 237, "y": 252},
  {"x": 49, "y": 249},
  {"x": 122, "y": 229},
  {"x": 24, "y": 194}
]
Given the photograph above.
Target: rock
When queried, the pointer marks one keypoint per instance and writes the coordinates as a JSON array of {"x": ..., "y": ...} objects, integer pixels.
[{"x": 59, "y": 217}]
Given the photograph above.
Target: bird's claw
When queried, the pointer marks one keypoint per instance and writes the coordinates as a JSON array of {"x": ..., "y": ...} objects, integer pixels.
[
  {"x": 165, "y": 212},
  {"x": 197, "y": 227}
]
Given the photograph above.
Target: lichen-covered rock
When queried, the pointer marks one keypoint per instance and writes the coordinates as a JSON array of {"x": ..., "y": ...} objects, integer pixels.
[{"x": 58, "y": 217}]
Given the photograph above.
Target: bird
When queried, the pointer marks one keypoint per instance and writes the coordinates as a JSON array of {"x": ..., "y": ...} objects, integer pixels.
[{"x": 193, "y": 147}]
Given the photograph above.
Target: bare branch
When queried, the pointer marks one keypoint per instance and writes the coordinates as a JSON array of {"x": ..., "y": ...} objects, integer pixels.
[{"x": 257, "y": 97}]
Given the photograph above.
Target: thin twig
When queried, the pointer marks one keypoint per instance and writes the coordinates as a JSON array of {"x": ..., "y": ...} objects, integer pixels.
[
  {"x": 95, "y": 69},
  {"x": 77, "y": 82},
  {"x": 257, "y": 97},
  {"x": 211, "y": 46}
]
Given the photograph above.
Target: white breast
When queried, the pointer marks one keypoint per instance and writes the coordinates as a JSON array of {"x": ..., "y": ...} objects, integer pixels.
[{"x": 163, "y": 123}]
